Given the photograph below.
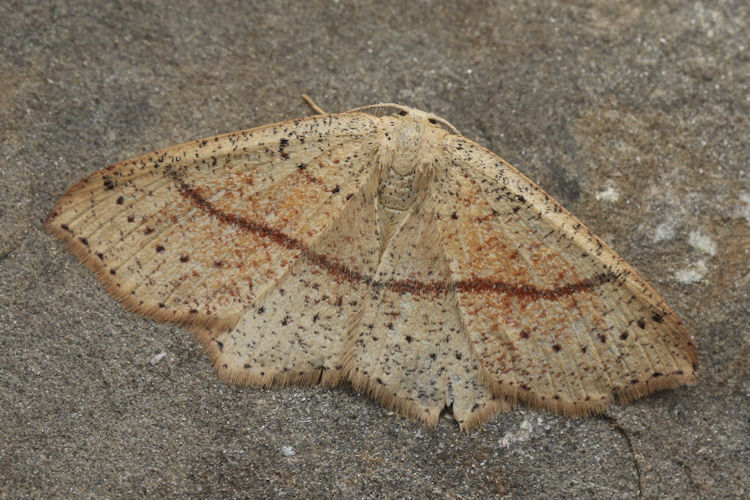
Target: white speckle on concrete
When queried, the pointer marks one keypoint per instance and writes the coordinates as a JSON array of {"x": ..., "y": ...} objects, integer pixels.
[
  {"x": 664, "y": 231},
  {"x": 155, "y": 360},
  {"x": 693, "y": 273},
  {"x": 744, "y": 209},
  {"x": 524, "y": 432},
  {"x": 610, "y": 193},
  {"x": 701, "y": 241},
  {"x": 287, "y": 451}
]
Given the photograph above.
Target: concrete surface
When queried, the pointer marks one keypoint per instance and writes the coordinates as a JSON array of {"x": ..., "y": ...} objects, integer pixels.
[{"x": 635, "y": 115}]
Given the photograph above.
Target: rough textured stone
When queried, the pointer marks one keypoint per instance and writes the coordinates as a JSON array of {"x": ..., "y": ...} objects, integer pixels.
[{"x": 634, "y": 115}]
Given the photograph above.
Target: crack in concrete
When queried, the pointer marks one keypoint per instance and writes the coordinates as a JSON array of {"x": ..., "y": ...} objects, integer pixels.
[
  {"x": 612, "y": 422},
  {"x": 689, "y": 473}
]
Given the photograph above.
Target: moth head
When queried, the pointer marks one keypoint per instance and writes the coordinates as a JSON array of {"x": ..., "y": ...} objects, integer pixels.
[{"x": 412, "y": 113}]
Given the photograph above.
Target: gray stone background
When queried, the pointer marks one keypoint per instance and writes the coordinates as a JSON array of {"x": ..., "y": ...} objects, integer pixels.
[{"x": 635, "y": 115}]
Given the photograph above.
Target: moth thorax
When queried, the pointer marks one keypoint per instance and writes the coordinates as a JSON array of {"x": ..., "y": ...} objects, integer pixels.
[{"x": 404, "y": 166}]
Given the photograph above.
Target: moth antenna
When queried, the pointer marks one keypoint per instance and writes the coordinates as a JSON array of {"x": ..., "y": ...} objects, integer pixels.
[{"x": 312, "y": 104}]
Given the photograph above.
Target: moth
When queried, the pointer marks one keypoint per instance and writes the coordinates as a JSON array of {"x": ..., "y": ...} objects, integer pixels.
[{"x": 380, "y": 247}]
